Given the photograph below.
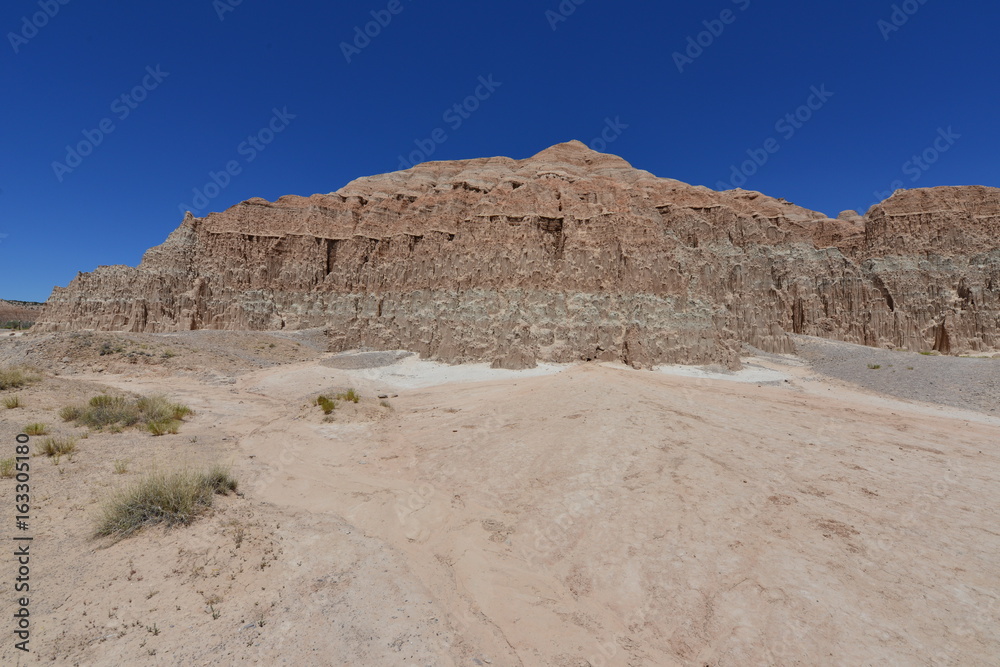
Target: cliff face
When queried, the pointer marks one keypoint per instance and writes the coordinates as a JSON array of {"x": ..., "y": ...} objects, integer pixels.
[{"x": 566, "y": 255}]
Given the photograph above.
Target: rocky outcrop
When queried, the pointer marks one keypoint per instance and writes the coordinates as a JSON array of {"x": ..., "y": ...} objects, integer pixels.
[
  {"x": 568, "y": 255},
  {"x": 19, "y": 313}
]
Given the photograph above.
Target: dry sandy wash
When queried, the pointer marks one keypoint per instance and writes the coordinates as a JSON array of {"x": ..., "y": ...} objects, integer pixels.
[{"x": 570, "y": 515}]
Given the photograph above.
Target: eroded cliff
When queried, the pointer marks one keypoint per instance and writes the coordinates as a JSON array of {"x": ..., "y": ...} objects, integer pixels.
[{"x": 570, "y": 254}]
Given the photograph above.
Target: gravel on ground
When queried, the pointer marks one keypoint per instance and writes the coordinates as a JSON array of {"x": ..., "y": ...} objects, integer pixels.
[{"x": 971, "y": 383}]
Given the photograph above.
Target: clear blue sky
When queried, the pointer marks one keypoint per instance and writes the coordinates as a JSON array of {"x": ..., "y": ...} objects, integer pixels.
[{"x": 895, "y": 92}]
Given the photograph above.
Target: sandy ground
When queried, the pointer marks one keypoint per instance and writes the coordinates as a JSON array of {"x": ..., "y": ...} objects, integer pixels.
[{"x": 569, "y": 516}]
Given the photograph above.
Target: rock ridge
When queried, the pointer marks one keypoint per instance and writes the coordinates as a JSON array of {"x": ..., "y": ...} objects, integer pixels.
[{"x": 569, "y": 254}]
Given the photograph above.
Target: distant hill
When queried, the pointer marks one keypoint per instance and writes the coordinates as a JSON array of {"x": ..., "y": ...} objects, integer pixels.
[{"x": 14, "y": 314}]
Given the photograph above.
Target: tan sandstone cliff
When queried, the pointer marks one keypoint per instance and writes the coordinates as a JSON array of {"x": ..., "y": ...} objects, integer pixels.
[{"x": 567, "y": 255}]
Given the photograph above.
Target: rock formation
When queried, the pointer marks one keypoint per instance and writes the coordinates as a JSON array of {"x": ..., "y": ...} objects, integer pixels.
[{"x": 567, "y": 255}]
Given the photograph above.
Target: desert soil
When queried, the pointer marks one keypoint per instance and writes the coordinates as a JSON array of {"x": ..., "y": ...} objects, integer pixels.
[{"x": 807, "y": 510}]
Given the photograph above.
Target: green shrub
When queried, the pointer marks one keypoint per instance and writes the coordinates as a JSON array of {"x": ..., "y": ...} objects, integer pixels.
[
  {"x": 7, "y": 468},
  {"x": 11, "y": 402},
  {"x": 349, "y": 395},
  {"x": 326, "y": 404},
  {"x": 36, "y": 429},
  {"x": 874, "y": 367},
  {"x": 16, "y": 324},
  {"x": 175, "y": 498}
]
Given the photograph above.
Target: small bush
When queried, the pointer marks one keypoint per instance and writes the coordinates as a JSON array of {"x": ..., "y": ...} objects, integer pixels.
[
  {"x": 16, "y": 377},
  {"x": 11, "y": 402},
  {"x": 326, "y": 404},
  {"x": 121, "y": 466},
  {"x": 70, "y": 413},
  {"x": 116, "y": 413},
  {"x": 349, "y": 395},
  {"x": 173, "y": 498},
  {"x": 385, "y": 404},
  {"x": 36, "y": 429},
  {"x": 874, "y": 367},
  {"x": 56, "y": 447},
  {"x": 7, "y": 468},
  {"x": 105, "y": 410}
]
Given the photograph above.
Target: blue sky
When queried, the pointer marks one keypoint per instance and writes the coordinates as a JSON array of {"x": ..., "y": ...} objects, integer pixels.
[{"x": 291, "y": 100}]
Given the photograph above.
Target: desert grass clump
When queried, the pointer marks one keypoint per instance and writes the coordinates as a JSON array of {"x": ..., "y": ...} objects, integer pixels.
[
  {"x": 171, "y": 426},
  {"x": 349, "y": 395},
  {"x": 71, "y": 413},
  {"x": 159, "y": 409},
  {"x": 7, "y": 468},
  {"x": 56, "y": 447},
  {"x": 326, "y": 404},
  {"x": 121, "y": 466},
  {"x": 155, "y": 413},
  {"x": 36, "y": 429},
  {"x": 874, "y": 367},
  {"x": 105, "y": 410},
  {"x": 219, "y": 480},
  {"x": 16, "y": 377},
  {"x": 12, "y": 402},
  {"x": 174, "y": 498}
]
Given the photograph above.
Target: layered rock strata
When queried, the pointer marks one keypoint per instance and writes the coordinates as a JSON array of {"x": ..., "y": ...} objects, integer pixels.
[{"x": 567, "y": 255}]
